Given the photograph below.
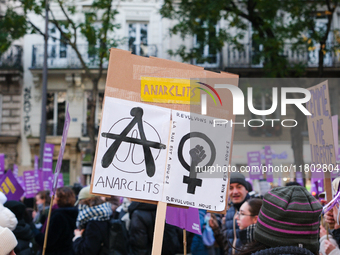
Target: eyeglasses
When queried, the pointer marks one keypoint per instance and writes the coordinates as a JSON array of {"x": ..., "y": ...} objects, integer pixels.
[{"x": 239, "y": 214}]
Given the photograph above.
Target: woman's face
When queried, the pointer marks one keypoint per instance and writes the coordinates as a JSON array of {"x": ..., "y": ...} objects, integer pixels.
[
  {"x": 38, "y": 200},
  {"x": 244, "y": 217}
]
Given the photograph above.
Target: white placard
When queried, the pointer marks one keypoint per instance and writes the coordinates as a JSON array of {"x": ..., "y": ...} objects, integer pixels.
[
  {"x": 195, "y": 141},
  {"x": 132, "y": 150}
]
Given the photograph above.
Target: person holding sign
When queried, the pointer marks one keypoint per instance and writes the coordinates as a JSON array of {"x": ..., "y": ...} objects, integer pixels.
[{"x": 238, "y": 194}]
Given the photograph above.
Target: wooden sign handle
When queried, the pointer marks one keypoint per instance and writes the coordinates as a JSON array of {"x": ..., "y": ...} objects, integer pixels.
[{"x": 159, "y": 229}]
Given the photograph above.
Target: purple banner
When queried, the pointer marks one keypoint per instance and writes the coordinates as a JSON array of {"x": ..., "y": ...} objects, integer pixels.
[
  {"x": 335, "y": 134},
  {"x": 47, "y": 178},
  {"x": 29, "y": 181},
  {"x": 299, "y": 178},
  {"x": 15, "y": 171},
  {"x": 269, "y": 163},
  {"x": 254, "y": 162},
  {"x": 48, "y": 158},
  {"x": 20, "y": 180},
  {"x": 2, "y": 165},
  {"x": 62, "y": 149},
  {"x": 187, "y": 219},
  {"x": 10, "y": 186}
]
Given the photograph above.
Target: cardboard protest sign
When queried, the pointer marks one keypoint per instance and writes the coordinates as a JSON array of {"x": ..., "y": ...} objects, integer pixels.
[
  {"x": 137, "y": 79},
  {"x": 320, "y": 133},
  {"x": 131, "y": 159},
  {"x": 196, "y": 175},
  {"x": 10, "y": 187}
]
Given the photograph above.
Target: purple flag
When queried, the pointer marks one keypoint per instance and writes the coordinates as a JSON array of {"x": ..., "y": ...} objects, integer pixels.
[
  {"x": 60, "y": 181},
  {"x": 254, "y": 162},
  {"x": 15, "y": 171},
  {"x": 10, "y": 187},
  {"x": 29, "y": 181},
  {"x": 47, "y": 167},
  {"x": 269, "y": 162},
  {"x": 187, "y": 219},
  {"x": 20, "y": 180},
  {"x": 2, "y": 165},
  {"x": 62, "y": 149}
]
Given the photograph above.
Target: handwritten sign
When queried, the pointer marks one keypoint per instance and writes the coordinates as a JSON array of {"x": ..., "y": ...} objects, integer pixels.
[{"x": 320, "y": 133}]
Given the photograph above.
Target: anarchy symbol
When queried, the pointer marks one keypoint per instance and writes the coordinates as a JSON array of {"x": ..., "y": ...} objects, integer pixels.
[{"x": 137, "y": 113}]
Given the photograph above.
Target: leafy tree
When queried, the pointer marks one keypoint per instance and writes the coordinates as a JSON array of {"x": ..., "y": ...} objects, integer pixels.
[
  {"x": 274, "y": 23},
  {"x": 97, "y": 26}
]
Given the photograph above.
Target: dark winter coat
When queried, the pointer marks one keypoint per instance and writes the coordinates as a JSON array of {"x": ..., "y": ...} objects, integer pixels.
[
  {"x": 336, "y": 235},
  {"x": 60, "y": 234},
  {"x": 231, "y": 229},
  {"x": 24, "y": 236},
  {"x": 95, "y": 236},
  {"x": 141, "y": 231},
  {"x": 285, "y": 250}
]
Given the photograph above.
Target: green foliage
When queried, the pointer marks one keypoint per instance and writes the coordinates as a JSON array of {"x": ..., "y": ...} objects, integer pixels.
[{"x": 274, "y": 23}]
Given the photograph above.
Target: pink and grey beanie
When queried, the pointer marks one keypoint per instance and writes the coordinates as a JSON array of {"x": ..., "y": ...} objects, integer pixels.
[{"x": 289, "y": 216}]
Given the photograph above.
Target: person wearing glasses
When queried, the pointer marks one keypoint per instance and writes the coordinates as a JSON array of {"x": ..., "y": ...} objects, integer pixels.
[
  {"x": 246, "y": 219},
  {"x": 238, "y": 194}
]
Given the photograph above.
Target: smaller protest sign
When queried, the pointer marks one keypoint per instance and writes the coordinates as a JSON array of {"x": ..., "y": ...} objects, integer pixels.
[
  {"x": 29, "y": 181},
  {"x": 183, "y": 218},
  {"x": 15, "y": 171},
  {"x": 255, "y": 165},
  {"x": 10, "y": 186}
]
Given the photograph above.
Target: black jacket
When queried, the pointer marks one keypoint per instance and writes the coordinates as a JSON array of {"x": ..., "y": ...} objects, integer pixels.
[
  {"x": 24, "y": 236},
  {"x": 60, "y": 234},
  {"x": 95, "y": 236},
  {"x": 142, "y": 228},
  {"x": 285, "y": 250}
]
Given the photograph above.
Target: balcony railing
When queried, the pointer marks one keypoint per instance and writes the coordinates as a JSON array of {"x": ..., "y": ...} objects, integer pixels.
[
  {"x": 12, "y": 58},
  {"x": 247, "y": 57},
  {"x": 63, "y": 56}
]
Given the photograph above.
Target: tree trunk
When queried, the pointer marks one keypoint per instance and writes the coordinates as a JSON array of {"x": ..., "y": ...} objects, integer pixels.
[
  {"x": 297, "y": 140},
  {"x": 320, "y": 64},
  {"x": 91, "y": 121}
]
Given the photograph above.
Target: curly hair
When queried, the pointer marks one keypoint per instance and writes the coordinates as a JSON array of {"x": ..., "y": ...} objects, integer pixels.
[{"x": 65, "y": 197}]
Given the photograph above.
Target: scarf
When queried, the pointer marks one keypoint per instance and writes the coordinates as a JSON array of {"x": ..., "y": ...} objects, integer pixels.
[{"x": 100, "y": 212}]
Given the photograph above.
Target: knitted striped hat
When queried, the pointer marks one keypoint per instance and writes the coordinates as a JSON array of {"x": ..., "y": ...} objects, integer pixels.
[{"x": 289, "y": 216}]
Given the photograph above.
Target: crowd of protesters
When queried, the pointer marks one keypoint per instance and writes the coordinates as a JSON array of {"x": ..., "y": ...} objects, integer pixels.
[{"x": 286, "y": 220}]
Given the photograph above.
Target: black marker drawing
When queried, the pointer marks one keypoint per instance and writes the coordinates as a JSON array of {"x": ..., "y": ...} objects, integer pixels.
[
  {"x": 107, "y": 159},
  {"x": 197, "y": 155}
]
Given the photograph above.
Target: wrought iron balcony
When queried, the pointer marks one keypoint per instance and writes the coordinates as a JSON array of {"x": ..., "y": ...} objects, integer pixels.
[
  {"x": 62, "y": 56},
  {"x": 247, "y": 57},
  {"x": 12, "y": 58}
]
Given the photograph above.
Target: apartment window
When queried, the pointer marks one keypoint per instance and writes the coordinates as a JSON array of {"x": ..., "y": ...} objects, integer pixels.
[
  {"x": 55, "y": 113},
  {"x": 209, "y": 53},
  {"x": 138, "y": 38},
  {"x": 262, "y": 100}
]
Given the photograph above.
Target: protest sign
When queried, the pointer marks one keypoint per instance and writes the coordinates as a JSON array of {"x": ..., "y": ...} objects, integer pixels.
[
  {"x": 255, "y": 165},
  {"x": 196, "y": 175},
  {"x": 29, "y": 183},
  {"x": 15, "y": 171},
  {"x": 47, "y": 166},
  {"x": 320, "y": 133},
  {"x": 10, "y": 186},
  {"x": 183, "y": 218},
  {"x": 128, "y": 77}
]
